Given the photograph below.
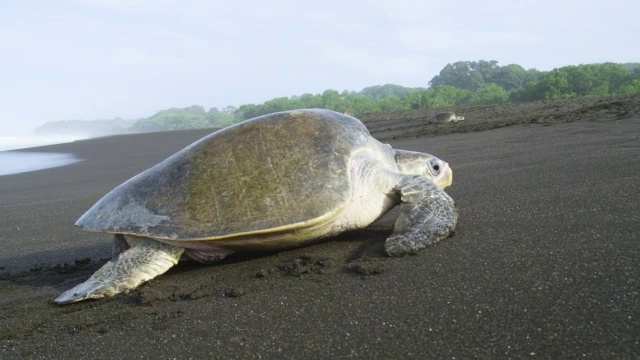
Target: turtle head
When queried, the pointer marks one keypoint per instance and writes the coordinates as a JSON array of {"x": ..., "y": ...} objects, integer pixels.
[{"x": 416, "y": 163}]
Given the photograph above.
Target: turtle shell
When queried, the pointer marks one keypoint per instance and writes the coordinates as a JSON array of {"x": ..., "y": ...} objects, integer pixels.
[{"x": 277, "y": 172}]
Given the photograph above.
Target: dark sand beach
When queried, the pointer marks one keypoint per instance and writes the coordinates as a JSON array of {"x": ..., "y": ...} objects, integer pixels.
[{"x": 544, "y": 261}]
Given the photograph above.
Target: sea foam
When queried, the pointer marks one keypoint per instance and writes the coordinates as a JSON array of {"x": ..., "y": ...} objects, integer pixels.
[
  {"x": 14, "y": 162},
  {"x": 22, "y": 142}
]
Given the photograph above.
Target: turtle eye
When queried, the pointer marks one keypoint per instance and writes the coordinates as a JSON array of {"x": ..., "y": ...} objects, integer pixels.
[{"x": 434, "y": 167}]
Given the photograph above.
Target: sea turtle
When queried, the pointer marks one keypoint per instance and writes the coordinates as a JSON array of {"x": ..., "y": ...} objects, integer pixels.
[
  {"x": 274, "y": 182},
  {"x": 443, "y": 118}
]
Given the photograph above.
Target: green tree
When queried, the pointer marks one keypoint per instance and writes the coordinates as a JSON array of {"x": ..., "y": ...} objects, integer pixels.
[
  {"x": 331, "y": 100},
  {"x": 489, "y": 94},
  {"x": 578, "y": 80},
  {"x": 392, "y": 103},
  {"x": 509, "y": 77},
  {"x": 380, "y": 92},
  {"x": 468, "y": 75},
  {"x": 248, "y": 111},
  {"x": 230, "y": 110},
  {"x": 486, "y": 69},
  {"x": 448, "y": 96},
  {"x": 309, "y": 101},
  {"x": 555, "y": 85},
  {"x": 217, "y": 118},
  {"x": 437, "y": 97},
  {"x": 631, "y": 67},
  {"x": 192, "y": 117},
  {"x": 529, "y": 92},
  {"x": 361, "y": 104},
  {"x": 630, "y": 88},
  {"x": 616, "y": 75},
  {"x": 459, "y": 74},
  {"x": 278, "y": 104},
  {"x": 471, "y": 75}
]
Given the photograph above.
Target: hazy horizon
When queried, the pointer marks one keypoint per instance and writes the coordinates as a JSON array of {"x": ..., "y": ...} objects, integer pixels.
[{"x": 92, "y": 59}]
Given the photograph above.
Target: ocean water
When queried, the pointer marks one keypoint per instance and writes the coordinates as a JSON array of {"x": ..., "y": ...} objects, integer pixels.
[
  {"x": 22, "y": 142},
  {"x": 15, "y": 162}
]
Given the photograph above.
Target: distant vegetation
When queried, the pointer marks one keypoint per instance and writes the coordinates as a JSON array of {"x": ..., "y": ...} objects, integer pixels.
[
  {"x": 85, "y": 128},
  {"x": 192, "y": 117},
  {"x": 458, "y": 84}
]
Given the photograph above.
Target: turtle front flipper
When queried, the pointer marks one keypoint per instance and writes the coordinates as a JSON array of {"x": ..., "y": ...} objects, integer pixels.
[
  {"x": 427, "y": 215},
  {"x": 144, "y": 260}
]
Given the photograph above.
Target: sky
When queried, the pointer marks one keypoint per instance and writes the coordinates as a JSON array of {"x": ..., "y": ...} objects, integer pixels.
[{"x": 93, "y": 59}]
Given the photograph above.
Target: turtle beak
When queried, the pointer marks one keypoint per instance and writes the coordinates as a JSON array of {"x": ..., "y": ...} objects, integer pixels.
[{"x": 446, "y": 177}]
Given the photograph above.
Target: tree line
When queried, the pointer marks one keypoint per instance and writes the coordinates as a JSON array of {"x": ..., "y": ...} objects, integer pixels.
[
  {"x": 466, "y": 83},
  {"x": 462, "y": 83}
]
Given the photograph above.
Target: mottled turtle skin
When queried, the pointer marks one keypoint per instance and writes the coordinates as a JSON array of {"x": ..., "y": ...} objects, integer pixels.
[
  {"x": 270, "y": 183},
  {"x": 443, "y": 118}
]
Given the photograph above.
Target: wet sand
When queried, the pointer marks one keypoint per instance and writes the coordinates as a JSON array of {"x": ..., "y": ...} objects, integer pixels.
[{"x": 544, "y": 261}]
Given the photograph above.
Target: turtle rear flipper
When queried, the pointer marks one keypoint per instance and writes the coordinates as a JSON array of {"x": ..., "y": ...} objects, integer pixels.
[
  {"x": 427, "y": 215},
  {"x": 144, "y": 260}
]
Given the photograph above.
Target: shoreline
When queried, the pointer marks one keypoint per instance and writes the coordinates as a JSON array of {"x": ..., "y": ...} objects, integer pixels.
[{"x": 544, "y": 259}]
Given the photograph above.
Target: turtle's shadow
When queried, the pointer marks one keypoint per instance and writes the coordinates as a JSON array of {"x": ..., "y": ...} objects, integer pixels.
[
  {"x": 370, "y": 245},
  {"x": 370, "y": 242},
  {"x": 63, "y": 275},
  {"x": 43, "y": 273}
]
